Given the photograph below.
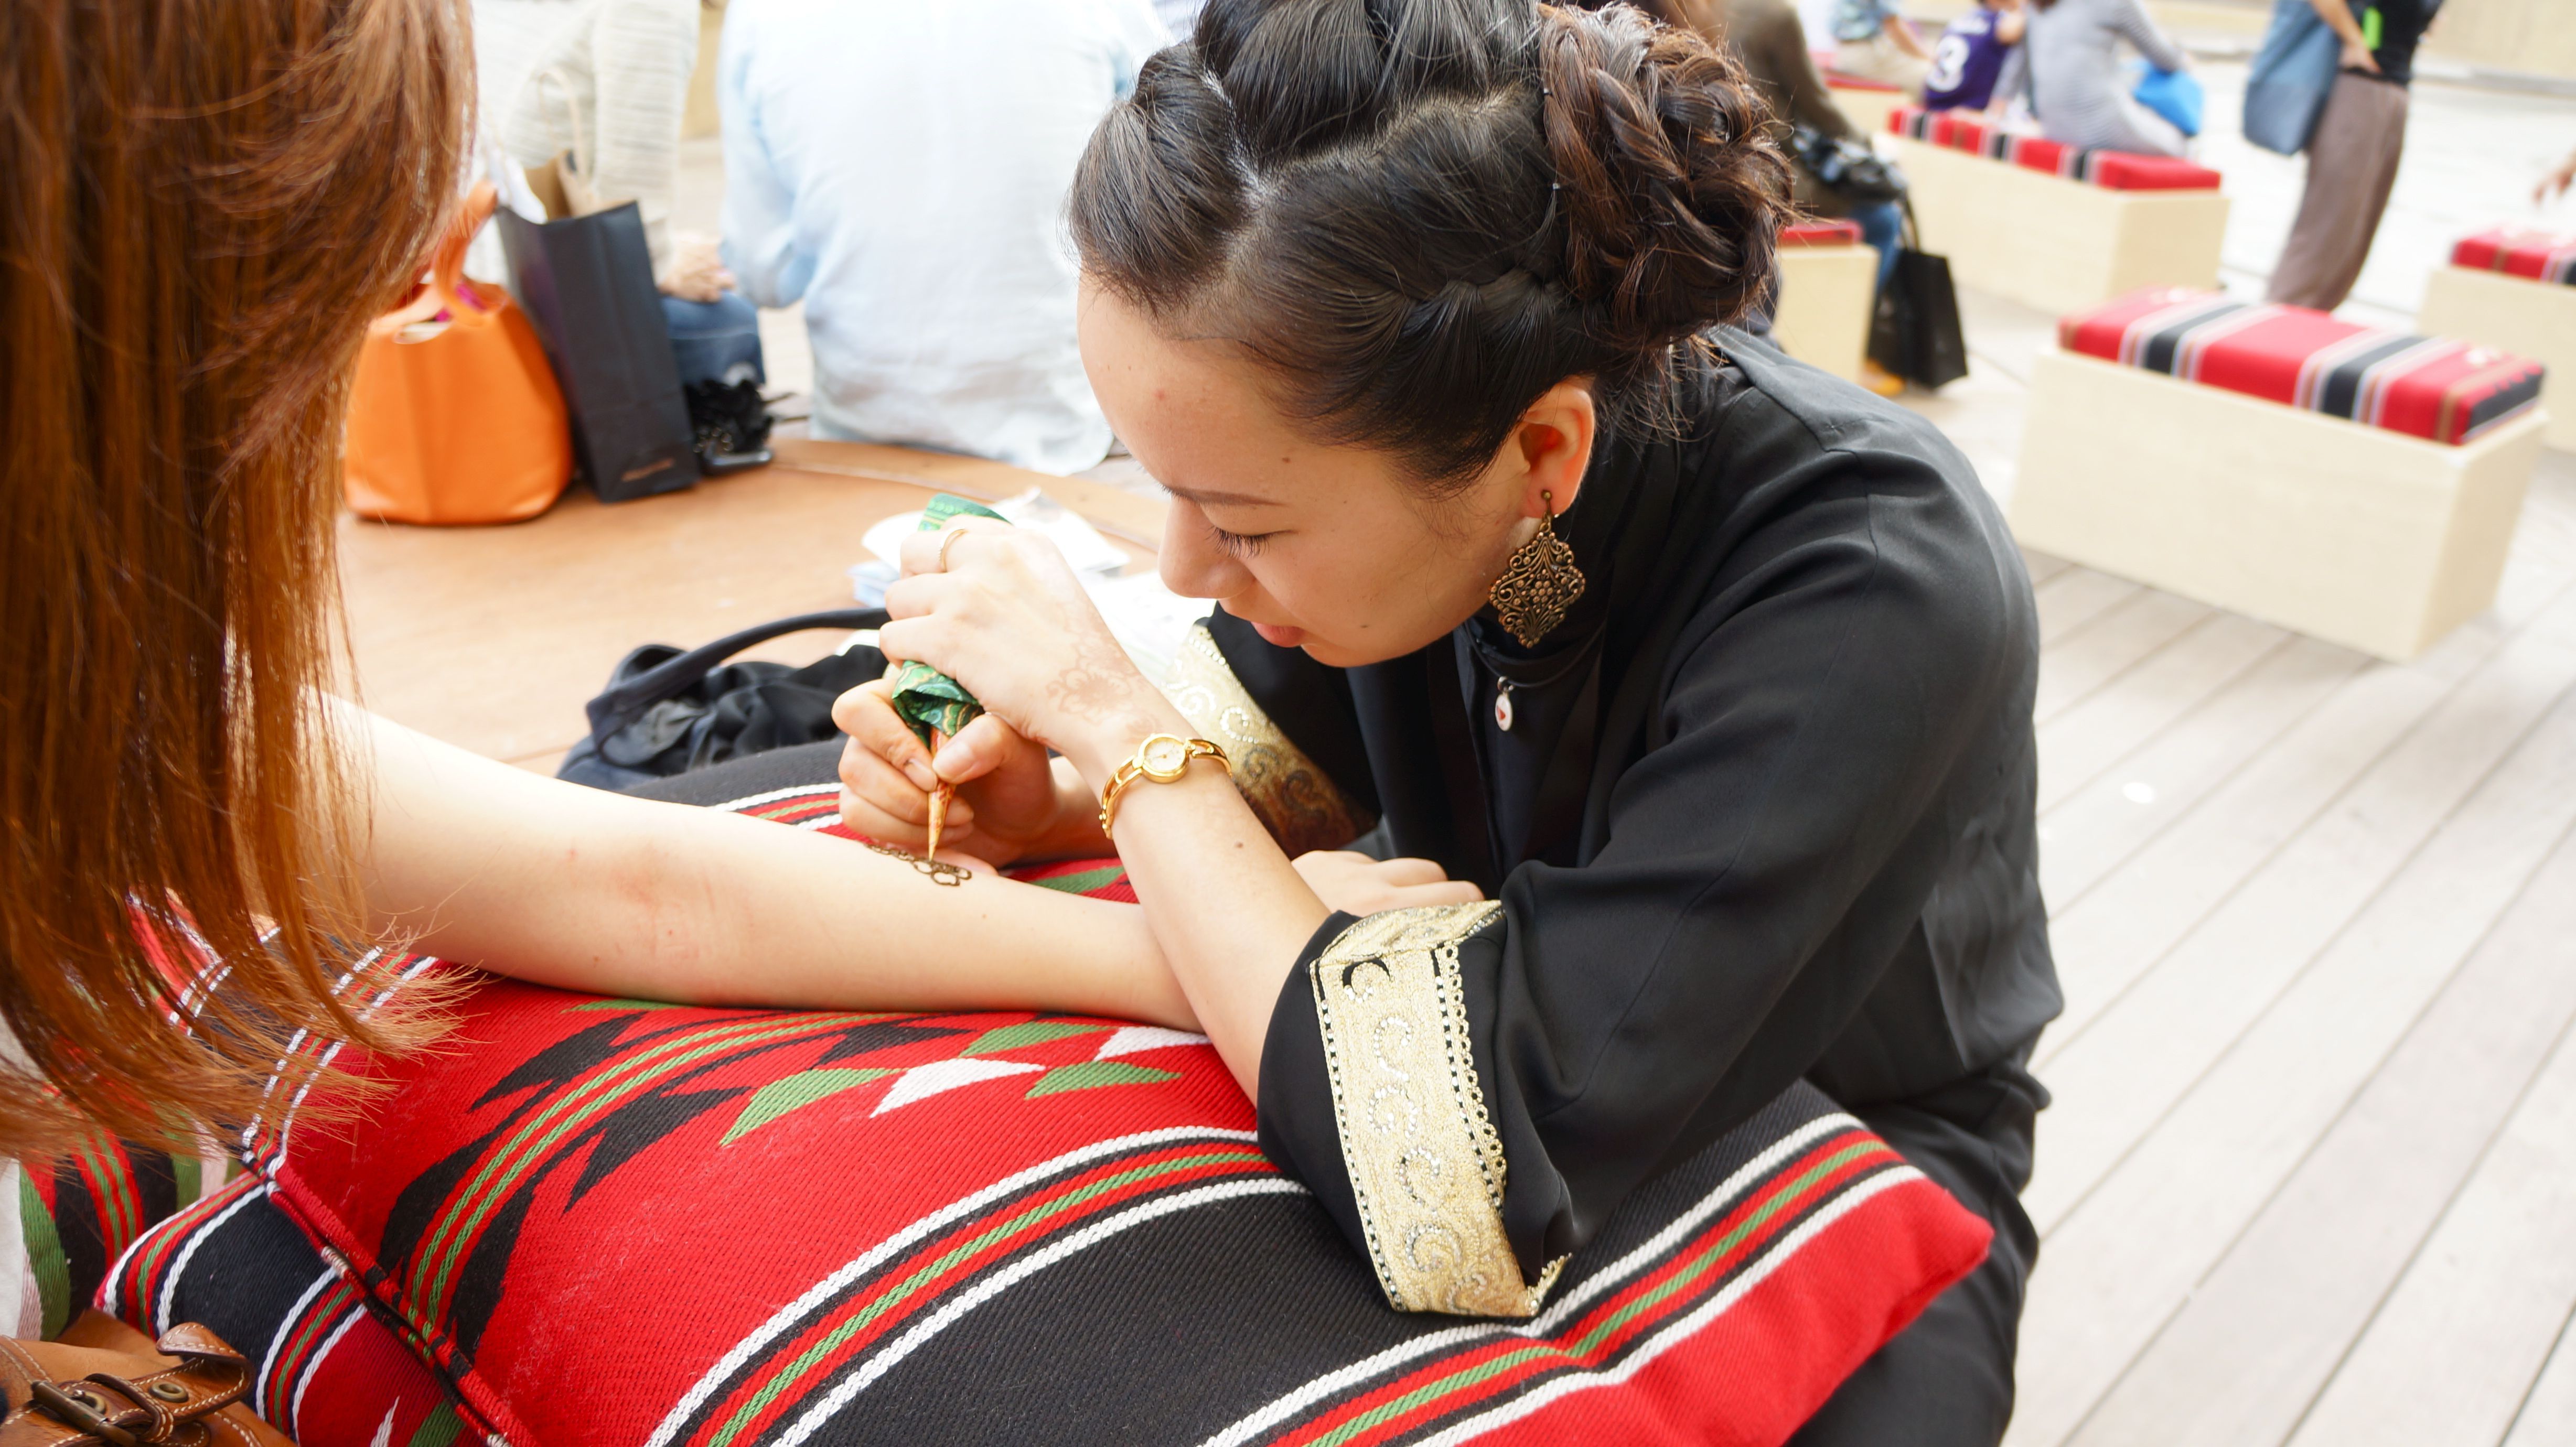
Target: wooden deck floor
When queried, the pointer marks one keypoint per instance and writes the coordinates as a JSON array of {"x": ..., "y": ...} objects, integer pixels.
[
  {"x": 2310, "y": 1176},
  {"x": 2311, "y": 1173}
]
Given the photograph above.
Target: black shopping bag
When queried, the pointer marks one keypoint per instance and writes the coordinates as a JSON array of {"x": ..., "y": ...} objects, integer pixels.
[
  {"x": 587, "y": 283},
  {"x": 1917, "y": 334}
]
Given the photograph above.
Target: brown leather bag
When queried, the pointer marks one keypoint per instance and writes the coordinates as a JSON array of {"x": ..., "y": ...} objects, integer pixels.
[{"x": 105, "y": 1382}]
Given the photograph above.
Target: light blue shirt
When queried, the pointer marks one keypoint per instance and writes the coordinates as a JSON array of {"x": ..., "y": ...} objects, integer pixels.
[
  {"x": 1858, "y": 20},
  {"x": 902, "y": 168}
]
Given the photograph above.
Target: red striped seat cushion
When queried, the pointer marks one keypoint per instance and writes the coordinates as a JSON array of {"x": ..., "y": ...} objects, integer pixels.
[
  {"x": 2447, "y": 391},
  {"x": 2538, "y": 255},
  {"x": 613, "y": 1222},
  {"x": 2112, "y": 170},
  {"x": 1821, "y": 233}
]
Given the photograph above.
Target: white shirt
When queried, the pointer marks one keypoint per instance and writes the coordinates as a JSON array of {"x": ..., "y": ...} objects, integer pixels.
[{"x": 902, "y": 169}]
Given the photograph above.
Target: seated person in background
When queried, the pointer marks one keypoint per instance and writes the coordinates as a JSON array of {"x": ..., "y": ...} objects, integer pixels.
[
  {"x": 1970, "y": 56},
  {"x": 2071, "y": 70},
  {"x": 1872, "y": 41},
  {"x": 901, "y": 169},
  {"x": 1767, "y": 36}
]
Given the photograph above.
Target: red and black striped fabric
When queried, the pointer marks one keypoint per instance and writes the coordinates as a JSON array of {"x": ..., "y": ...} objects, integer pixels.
[
  {"x": 2533, "y": 255},
  {"x": 2429, "y": 387},
  {"x": 614, "y": 1221},
  {"x": 1821, "y": 233},
  {"x": 2111, "y": 170},
  {"x": 77, "y": 1214}
]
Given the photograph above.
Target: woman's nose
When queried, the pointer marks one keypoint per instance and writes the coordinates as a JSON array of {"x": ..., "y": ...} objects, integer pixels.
[{"x": 1191, "y": 563}]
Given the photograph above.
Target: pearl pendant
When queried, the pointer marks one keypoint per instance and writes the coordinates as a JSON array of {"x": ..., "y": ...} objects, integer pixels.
[{"x": 1503, "y": 706}]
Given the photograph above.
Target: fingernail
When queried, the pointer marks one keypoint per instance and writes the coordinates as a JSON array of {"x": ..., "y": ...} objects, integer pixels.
[{"x": 919, "y": 771}]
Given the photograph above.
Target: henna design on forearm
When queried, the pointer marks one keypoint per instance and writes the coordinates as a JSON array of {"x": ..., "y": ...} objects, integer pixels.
[{"x": 940, "y": 871}]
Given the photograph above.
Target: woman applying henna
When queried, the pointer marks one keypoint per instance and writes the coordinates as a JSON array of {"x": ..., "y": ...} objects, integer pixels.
[{"x": 1714, "y": 673}]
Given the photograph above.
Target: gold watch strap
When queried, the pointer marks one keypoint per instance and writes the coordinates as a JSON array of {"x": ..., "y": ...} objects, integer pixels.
[{"x": 1160, "y": 759}]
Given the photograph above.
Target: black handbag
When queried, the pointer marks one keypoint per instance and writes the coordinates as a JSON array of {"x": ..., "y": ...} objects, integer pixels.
[
  {"x": 587, "y": 283},
  {"x": 1916, "y": 334},
  {"x": 1848, "y": 168},
  {"x": 667, "y": 711}
]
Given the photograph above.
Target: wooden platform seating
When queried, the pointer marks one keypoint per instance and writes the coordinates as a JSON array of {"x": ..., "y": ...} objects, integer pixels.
[
  {"x": 1867, "y": 102},
  {"x": 2516, "y": 290},
  {"x": 2352, "y": 483},
  {"x": 2051, "y": 226},
  {"x": 1828, "y": 287}
]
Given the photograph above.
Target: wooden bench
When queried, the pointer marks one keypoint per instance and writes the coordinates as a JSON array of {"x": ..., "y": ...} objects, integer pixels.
[
  {"x": 1828, "y": 294},
  {"x": 1865, "y": 102},
  {"x": 2349, "y": 532},
  {"x": 2511, "y": 290},
  {"x": 2052, "y": 227}
]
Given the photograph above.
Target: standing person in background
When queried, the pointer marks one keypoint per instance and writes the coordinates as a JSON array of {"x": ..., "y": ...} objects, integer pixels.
[
  {"x": 901, "y": 169},
  {"x": 1872, "y": 41},
  {"x": 2070, "y": 68},
  {"x": 1970, "y": 57},
  {"x": 2352, "y": 158}
]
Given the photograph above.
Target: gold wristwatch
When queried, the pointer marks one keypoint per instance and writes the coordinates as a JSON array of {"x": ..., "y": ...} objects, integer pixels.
[{"x": 1161, "y": 759}]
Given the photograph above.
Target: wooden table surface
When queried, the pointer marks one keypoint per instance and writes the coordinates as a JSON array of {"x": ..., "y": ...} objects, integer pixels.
[{"x": 493, "y": 637}]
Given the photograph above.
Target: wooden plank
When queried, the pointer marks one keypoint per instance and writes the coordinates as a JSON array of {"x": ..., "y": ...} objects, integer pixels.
[
  {"x": 1119, "y": 513},
  {"x": 2129, "y": 921},
  {"x": 2101, "y": 825},
  {"x": 2451, "y": 1357},
  {"x": 2268, "y": 1023},
  {"x": 2258, "y": 1337},
  {"x": 2042, "y": 567},
  {"x": 2116, "y": 641},
  {"x": 2137, "y": 1058},
  {"x": 492, "y": 638},
  {"x": 2073, "y": 597},
  {"x": 2548, "y": 1416},
  {"x": 2076, "y": 746}
]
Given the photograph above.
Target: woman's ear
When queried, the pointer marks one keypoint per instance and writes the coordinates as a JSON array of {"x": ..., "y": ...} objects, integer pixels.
[{"x": 1553, "y": 444}]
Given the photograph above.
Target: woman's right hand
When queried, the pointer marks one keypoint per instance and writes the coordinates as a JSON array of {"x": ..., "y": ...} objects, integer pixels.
[
  {"x": 1353, "y": 883},
  {"x": 1007, "y": 797}
]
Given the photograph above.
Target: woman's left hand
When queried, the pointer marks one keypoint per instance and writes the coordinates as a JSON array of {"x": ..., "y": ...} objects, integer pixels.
[{"x": 1007, "y": 618}]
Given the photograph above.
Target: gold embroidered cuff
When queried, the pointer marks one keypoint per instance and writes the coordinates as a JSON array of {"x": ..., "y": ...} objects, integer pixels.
[
  {"x": 1425, "y": 1163},
  {"x": 1296, "y": 801}
]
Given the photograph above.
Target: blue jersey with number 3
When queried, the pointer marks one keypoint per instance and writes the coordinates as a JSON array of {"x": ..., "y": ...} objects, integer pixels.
[{"x": 1965, "y": 63}]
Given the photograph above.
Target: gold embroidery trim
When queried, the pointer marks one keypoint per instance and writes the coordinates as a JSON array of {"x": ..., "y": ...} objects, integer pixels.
[
  {"x": 1297, "y": 802},
  {"x": 1424, "y": 1160}
]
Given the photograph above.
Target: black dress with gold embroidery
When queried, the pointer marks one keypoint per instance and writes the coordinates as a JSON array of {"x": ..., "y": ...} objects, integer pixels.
[{"x": 1763, "y": 809}]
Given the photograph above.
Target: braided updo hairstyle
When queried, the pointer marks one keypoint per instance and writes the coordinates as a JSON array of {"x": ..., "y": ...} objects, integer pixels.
[{"x": 1419, "y": 215}]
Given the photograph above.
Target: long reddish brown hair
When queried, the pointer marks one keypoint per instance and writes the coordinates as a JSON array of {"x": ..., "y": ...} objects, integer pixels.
[{"x": 201, "y": 204}]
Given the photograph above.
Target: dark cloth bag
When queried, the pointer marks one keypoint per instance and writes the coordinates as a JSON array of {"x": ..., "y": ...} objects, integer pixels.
[
  {"x": 1917, "y": 334},
  {"x": 587, "y": 283},
  {"x": 1855, "y": 174},
  {"x": 667, "y": 711}
]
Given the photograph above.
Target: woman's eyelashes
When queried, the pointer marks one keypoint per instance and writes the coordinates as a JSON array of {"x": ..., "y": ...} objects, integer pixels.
[{"x": 1241, "y": 545}]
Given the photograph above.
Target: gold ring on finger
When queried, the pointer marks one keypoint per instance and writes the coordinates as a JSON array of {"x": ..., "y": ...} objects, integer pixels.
[{"x": 947, "y": 542}]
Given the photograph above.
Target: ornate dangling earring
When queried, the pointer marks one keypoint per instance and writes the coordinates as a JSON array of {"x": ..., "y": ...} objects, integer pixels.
[{"x": 1539, "y": 584}]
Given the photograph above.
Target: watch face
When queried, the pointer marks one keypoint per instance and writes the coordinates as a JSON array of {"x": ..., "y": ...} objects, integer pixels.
[{"x": 1163, "y": 755}]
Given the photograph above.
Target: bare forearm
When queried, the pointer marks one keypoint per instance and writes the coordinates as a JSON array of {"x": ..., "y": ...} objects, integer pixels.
[
  {"x": 594, "y": 891},
  {"x": 2338, "y": 15},
  {"x": 1228, "y": 909}
]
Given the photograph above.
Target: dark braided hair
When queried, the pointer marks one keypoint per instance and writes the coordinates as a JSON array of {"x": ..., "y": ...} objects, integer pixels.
[{"x": 1419, "y": 215}]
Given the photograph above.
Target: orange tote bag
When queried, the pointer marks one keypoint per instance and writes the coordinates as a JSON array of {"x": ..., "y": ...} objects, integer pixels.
[{"x": 454, "y": 416}]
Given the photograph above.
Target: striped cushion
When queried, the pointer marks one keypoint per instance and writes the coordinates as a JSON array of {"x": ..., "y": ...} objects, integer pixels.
[
  {"x": 2112, "y": 170},
  {"x": 2539, "y": 255},
  {"x": 616, "y": 1222},
  {"x": 2426, "y": 387},
  {"x": 1821, "y": 233},
  {"x": 77, "y": 1214}
]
